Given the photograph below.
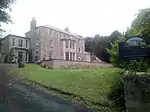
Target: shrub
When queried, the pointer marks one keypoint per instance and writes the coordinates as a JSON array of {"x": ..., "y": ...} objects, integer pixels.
[
  {"x": 117, "y": 95},
  {"x": 21, "y": 65}
]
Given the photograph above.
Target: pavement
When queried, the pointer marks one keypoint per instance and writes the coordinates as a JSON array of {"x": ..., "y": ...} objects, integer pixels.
[{"x": 16, "y": 96}]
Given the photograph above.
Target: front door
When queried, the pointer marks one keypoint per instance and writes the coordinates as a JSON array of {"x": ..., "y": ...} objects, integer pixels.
[{"x": 20, "y": 57}]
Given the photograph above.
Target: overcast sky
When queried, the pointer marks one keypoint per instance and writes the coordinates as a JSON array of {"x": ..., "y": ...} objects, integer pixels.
[{"x": 84, "y": 17}]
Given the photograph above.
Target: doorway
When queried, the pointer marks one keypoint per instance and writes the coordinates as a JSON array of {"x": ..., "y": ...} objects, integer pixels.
[{"x": 20, "y": 57}]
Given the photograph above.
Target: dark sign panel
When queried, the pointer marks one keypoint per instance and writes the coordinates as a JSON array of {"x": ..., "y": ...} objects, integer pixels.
[{"x": 134, "y": 47}]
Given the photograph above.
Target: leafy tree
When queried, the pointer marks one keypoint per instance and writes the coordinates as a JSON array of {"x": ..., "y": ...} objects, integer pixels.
[
  {"x": 141, "y": 24},
  {"x": 4, "y": 16},
  {"x": 114, "y": 36},
  {"x": 140, "y": 27},
  {"x": 98, "y": 45},
  {"x": 88, "y": 44}
]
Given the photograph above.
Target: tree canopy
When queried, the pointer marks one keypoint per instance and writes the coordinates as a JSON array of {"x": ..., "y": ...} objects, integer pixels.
[
  {"x": 140, "y": 27},
  {"x": 4, "y": 16},
  {"x": 98, "y": 45}
]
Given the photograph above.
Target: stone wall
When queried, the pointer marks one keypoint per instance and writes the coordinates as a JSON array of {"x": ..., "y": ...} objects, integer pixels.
[
  {"x": 137, "y": 93},
  {"x": 74, "y": 64}
]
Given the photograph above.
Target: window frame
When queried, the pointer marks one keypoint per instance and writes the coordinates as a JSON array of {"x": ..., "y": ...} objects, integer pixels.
[
  {"x": 13, "y": 41},
  {"x": 67, "y": 55},
  {"x": 20, "y": 43},
  {"x": 27, "y": 41},
  {"x": 50, "y": 43},
  {"x": 66, "y": 43},
  {"x": 50, "y": 32},
  {"x": 71, "y": 56},
  {"x": 50, "y": 54}
]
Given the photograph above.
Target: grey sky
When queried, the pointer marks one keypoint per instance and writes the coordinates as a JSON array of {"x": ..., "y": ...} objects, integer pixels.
[{"x": 84, "y": 17}]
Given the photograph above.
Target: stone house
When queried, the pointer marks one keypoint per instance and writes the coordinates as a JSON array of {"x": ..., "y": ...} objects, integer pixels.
[
  {"x": 16, "y": 46},
  {"x": 46, "y": 43}
]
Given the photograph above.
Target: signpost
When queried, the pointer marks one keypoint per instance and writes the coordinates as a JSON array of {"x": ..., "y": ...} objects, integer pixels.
[{"x": 134, "y": 47}]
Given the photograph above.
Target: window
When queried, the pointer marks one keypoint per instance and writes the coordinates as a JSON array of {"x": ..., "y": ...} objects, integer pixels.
[
  {"x": 71, "y": 56},
  {"x": 79, "y": 50},
  {"x": 70, "y": 44},
  {"x": 66, "y": 36},
  {"x": 58, "y": 34},
  {"x": 26, "y": 57},
  {"x": 37, "y": 31},
  {"x": 73, "y": 44},
  {"x": 50, "y": 54},
  {"x": 50, "y": 42},
  {"x": 37, "y": 39},
  {"x": 13, "y": 42},
  {"x": 66, "y": 43},
  {"x": 67, "y": 55},
  {"x": 49, "y": 31},
  {"x": 62, "y": 35},
  {"x": 36, "y": 55},
  {"x": 20, "y": 43},
  {"x": 26, "y": 43}
]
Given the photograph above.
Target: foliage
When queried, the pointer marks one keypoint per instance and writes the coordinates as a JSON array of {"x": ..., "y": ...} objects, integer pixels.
[
  {"x": 117, "y": 95},
  {"x": 142, "y": 23},
  {"x": 98, "y": 45},
  {"x": 139, "y": 27},
  {"x": 138, "y": 65},
  {"x": 114, "y": 54},
  {"x": 5, "y": 17},
  {"x": 21, "y": 65}
]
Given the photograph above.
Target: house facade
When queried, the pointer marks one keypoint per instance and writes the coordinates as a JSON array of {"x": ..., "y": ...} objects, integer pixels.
[
  {"x": 46, "y": 43},
  {"x": 15, "y": 48}
]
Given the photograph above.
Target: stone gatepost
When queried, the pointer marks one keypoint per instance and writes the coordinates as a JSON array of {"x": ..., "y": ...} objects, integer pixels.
[{"x": 137, "y": 93}]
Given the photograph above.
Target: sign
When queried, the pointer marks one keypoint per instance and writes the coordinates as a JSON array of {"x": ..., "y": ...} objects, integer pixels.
[{"x": 134, "y": 47}]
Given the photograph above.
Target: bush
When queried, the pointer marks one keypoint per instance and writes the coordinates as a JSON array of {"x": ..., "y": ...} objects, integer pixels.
[
  {"x": 117, "y": 95},
  {"x": 21, "y": 65}
]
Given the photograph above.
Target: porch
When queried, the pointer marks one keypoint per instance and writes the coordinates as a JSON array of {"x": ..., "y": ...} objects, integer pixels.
[{"x": 16, "y": 55}]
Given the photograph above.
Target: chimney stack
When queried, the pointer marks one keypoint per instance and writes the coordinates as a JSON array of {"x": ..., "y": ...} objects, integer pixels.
[
  {"x": 33, "y": 24},
  {"x": 67, "y": 29}
]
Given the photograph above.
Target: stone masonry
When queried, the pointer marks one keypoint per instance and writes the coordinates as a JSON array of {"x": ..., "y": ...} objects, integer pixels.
[{"x": 49, "y": 42}]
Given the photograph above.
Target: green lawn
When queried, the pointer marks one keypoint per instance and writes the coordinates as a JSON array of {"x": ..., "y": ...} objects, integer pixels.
[{"x": 92, "y": 84}]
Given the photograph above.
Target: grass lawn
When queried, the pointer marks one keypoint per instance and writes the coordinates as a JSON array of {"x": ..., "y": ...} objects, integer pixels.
[{"x": 91, "y": 84}]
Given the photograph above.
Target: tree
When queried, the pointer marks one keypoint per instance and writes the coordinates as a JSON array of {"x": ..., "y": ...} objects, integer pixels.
[
  {"x": 4, "y": 16},
  {"x": 114, "y": 36},
  {"x": 98, "y": 45},
  {"x": 141, "y": 24},
  {"x": 140, "y": 27},
  {"x": 88, "y": 44}
]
